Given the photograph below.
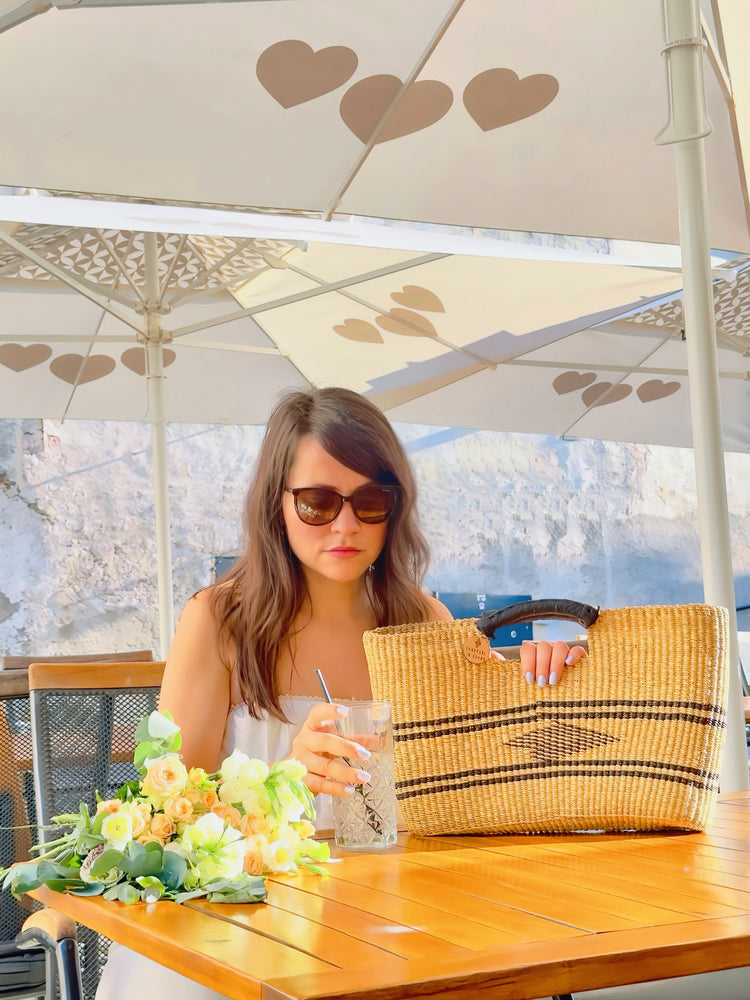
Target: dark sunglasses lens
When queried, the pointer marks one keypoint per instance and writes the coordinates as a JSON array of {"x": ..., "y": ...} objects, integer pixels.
[
  {"x": 317, "y": 506},
  {"x": 373, "y": 504}
]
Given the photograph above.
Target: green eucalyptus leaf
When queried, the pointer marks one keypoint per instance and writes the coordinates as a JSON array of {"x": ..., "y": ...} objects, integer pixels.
[
  {"x": 255, "y": 892},
  {"x": 65, "y": 884},
  {"x": 123, "y": 892},
  {"x": 51, "y": 869},
  {"x": 147, "y": 864},
  {"x": 183, "y": 897},
  {"x": 152, "y": 888},
  {"x": 89, "y": 889},
  {"x": 174, "y": 869},
  {"x": 23, "y": 878},
  {"x": 109, "y": 859}
]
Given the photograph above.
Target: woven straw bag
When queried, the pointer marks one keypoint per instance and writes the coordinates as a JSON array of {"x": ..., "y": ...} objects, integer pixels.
[{"x": 630, "y": 738}]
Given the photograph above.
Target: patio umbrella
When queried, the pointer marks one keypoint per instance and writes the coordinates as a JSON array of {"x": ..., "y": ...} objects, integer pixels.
[
  {"x": 462, "y": 112},
  {"x": 162, "y": 327}
]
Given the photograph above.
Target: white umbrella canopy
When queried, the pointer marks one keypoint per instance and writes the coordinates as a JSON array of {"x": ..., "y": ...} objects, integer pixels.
[
  {"x": 495, "y": 343},
  {"x": 531, "y": 117},
  {"x": 625, "y": 379}
]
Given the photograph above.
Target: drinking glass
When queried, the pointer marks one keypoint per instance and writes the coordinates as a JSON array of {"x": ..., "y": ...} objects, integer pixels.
[{"x": 367, "y": 818}]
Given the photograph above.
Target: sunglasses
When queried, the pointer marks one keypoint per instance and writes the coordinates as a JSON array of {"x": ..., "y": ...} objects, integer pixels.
[{"x": 319, "y": 505}]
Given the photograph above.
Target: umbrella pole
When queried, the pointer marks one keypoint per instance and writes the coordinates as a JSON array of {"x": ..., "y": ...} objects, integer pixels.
[
  {"x": 687, "y": 130},
  {"x": 154, "y": 383},
  {"x": 161, "y": 499}
]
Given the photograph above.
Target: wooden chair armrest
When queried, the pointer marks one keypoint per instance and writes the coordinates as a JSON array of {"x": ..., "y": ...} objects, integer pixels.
[{"x": 46, "y": 927}]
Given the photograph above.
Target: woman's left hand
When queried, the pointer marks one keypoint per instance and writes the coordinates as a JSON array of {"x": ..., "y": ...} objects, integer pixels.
[{"x": 544, "y": 662}]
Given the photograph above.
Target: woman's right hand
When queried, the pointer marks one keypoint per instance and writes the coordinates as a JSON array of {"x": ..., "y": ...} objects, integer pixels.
[{"x": 320, "y": 749}]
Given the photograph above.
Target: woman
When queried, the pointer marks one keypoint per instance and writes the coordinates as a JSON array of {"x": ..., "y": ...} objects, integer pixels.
[{"x": 332, "y": 548}]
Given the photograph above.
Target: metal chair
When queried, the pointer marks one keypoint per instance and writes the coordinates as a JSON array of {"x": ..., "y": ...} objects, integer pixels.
[
  {"x": 83, "y": 720},
  {"x": 22, "y": 973}
]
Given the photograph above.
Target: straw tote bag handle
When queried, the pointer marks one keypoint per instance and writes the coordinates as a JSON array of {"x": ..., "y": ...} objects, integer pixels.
[{"x": 529, "y": 611}]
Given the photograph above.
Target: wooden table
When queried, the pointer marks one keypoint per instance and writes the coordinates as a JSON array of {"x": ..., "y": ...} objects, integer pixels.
[{"x": 452, "y": 918}]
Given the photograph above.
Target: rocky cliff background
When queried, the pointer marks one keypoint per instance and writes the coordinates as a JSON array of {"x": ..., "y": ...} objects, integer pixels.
[{"x": 605, "y": 523}]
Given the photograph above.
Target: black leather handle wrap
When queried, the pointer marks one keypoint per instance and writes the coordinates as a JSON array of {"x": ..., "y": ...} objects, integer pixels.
[{"x": 529, "y": 611}]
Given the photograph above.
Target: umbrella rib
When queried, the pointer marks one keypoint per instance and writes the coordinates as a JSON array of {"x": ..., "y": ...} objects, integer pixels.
[
  {"x": 206, "y": 273},
  {"x": 717, "y": 63},
  {"x": 309, "y": 293},
  {"x": 626, "y": 370},
  {"x": 82, "y": 365},
  {"x": 62, "y": 275},
  {"x": 485, "y": 362},
  {"x": 170, "y": 269},
  {"x": 111, "y": 250},
  {"x": 370, "y": 144}
]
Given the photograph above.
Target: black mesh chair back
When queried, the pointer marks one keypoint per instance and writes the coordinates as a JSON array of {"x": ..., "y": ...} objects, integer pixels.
[
  {"x": 22, "y": 974},
  {"x": 83, "y": 720}
]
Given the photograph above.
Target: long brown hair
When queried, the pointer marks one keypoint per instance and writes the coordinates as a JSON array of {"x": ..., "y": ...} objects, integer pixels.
[{"x": 257, "y": 601}]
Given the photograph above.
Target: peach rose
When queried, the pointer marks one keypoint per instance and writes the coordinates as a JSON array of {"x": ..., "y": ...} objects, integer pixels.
[
  {"x": 140, "y": 814},
  {"x": 255, "y": 826},
  {"x": 162, "y": 827},
  {"x": 178, "y": 808},
  {"x": 228, "y": 813},
  {"x": 108, "y": 805},
  {"x": 209, "y": 798},
  {"x": 166, "y": 777},
  {"x": 252, "y": 862},
  {"x": 151, "y": 838},
  {"x": 193, "y": 794}
]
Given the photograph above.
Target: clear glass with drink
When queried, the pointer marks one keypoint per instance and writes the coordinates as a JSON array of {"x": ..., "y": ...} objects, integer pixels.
[{"x": 366, "y": 819}]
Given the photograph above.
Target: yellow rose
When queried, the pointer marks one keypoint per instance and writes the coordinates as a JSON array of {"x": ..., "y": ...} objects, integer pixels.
[
  {"x": 303, "y": 829},
  {"x": 162, "y": 826},
  {"x": 117, "y": 829},
  {"x": 178, "y": 808},
  {"x": 166, "y": 777},
  {"x": 196, "y": 775}
]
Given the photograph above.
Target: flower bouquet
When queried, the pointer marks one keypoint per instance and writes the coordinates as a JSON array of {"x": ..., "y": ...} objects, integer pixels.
[{"x": 178, "y": 834}]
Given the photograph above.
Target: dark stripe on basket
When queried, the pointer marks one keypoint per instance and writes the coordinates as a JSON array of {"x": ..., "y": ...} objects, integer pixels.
[
  {"x": 442, "y": 784},
  {"x": 534, "y": 765},
  {"x": 540, "y": 706},
  {"x": 403, "y": 731}
]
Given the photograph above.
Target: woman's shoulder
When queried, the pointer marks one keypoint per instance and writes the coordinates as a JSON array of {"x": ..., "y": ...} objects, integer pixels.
[{"x": 436, "y": 611}]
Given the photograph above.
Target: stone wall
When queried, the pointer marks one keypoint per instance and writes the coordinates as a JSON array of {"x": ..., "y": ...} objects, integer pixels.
[{"x": 606, "y": 523}]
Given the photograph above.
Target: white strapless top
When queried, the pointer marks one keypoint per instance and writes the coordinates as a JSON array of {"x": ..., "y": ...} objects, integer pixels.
[{"x": 269, "y": 739}]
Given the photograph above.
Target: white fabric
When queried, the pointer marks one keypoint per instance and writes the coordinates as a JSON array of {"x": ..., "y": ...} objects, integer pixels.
[{"x": 127, "y": 973}]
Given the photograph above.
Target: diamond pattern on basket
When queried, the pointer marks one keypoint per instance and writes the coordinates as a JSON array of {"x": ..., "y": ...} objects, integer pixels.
[{"x": 560, "y": 739}]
